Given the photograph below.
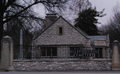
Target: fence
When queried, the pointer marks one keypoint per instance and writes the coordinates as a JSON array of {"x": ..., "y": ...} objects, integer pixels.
[{"x": 26, "y": 51}]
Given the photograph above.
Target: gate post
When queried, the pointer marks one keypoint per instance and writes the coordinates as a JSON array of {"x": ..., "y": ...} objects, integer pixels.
[
  {"x": 115, "y": 56},
  {"x": 7, "y": 53}
]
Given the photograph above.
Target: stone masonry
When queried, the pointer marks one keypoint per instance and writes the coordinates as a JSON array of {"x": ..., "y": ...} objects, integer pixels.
[
  {"x": 6, "y": 53},
  {"x": 61, "y": 65},
  {"x": 71, "y": 36},
  {"x": 51, "y": 37}
]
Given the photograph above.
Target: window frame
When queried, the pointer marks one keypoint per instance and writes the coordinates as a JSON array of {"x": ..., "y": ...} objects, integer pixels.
[
  {"x": 58, "y": 30},
  {"x": 51, "y": 54},
  {"x": 99, "y": 55}
]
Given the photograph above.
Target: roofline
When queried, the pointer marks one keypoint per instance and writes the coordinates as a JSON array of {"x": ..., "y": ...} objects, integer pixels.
[
  {"x": 54, "y": 22},
  {"x": 82, "y": 31},
  {"x": 75, "y": 28},
  {"x": 45, "y": 29}
]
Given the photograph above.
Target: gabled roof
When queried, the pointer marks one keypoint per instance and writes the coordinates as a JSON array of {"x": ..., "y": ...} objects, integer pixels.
[{"x": 77, "y": 29}]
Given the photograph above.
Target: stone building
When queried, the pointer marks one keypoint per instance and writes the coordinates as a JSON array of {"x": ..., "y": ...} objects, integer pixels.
[
  {"x": 60, "y": 39},
  {"x": 63, "y": 47}
]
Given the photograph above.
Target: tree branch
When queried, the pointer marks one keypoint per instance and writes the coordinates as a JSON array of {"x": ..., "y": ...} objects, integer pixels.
[
  {"x": 22, "y": 11},
  {"x": 10, "y": 2}
]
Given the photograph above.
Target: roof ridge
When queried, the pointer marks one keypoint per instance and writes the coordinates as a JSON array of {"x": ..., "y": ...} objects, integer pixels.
[
  {"x": 45, "y": 29},
  {"x": 65, "y": 21},
  {"x": 75, "y": 27}
]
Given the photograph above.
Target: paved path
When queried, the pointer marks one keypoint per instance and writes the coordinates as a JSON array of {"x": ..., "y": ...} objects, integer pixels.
[{"x": 68, "y": 72}]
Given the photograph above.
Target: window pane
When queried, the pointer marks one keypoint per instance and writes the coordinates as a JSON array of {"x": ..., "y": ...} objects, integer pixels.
[
  {"x": 54, "y": 51},
  {"x": 98, "y": 53},
  {"x": 60, "y": 30},
  {"x": 48, "y": 51},
  {"x": 43, "y": 51},
  {"x": 71, "y": 51}
]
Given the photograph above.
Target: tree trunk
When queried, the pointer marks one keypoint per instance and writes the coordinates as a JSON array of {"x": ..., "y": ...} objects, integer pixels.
[
  {"x": 1, "y": 28},
  {"x": 1, "y": 33},
  {"x": 1, "y": 25}
]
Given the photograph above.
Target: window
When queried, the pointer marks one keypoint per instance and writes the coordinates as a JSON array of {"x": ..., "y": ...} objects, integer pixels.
[
  {"x": 60, "y": 30},
  {"x": 98, "y": 53},
  {"x": 49, "y": 51}
]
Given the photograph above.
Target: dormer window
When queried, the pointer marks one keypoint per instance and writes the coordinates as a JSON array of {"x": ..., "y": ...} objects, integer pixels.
[{"x": 60, "y": 31}]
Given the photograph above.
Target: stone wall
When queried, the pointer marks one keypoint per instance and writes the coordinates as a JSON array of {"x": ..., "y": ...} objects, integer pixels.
[{"x": 61, "y": 65}]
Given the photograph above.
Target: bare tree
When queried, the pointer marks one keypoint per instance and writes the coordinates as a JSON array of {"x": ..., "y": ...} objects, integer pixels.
[
  {"x": 11, "y": 9},
  {"x": 17, "y": 14},
  {"x": 113, "y": 26},
  {"x": 73, "y": 7}
]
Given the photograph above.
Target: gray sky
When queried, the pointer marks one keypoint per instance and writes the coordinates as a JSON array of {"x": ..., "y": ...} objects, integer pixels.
[
  {"x": 108, "y": 5},
  {"x": 100, "y": 5}
]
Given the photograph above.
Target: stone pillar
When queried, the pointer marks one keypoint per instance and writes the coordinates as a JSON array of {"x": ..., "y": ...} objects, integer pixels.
[
  {"x": 115, "y": 56},
  {"x": 7, "y": 53}
]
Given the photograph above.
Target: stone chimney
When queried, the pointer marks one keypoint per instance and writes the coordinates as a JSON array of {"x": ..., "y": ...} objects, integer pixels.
[{"x": 50, "y": 18}]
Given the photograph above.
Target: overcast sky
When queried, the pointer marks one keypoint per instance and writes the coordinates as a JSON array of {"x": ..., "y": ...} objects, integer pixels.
[
  {"x": 108, "y": 5},
  {"x": 100, "y": 5}
]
